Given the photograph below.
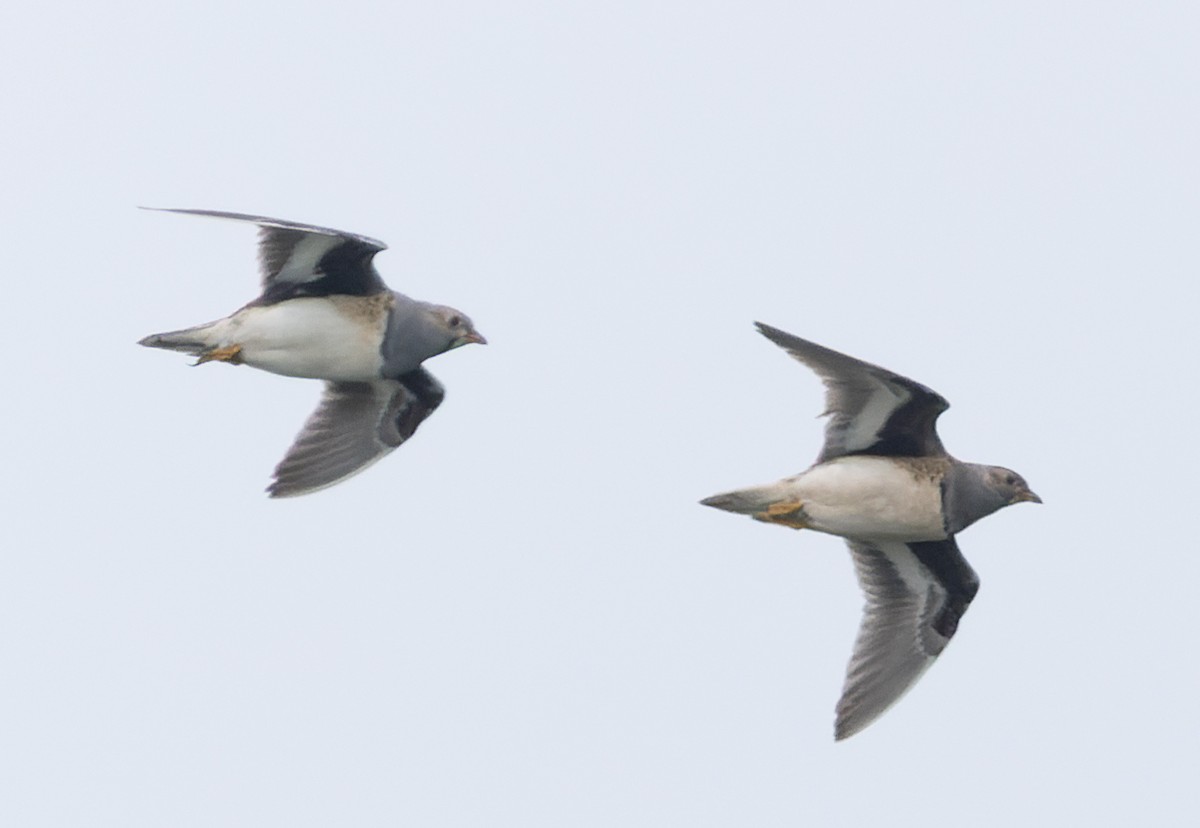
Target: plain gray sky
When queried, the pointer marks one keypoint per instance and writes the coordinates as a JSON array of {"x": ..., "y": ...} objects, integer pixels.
[{"x": 523, "y": 618}]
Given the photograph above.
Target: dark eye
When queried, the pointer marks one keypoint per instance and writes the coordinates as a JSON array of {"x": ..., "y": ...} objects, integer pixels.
[
  {"x": 1011, "y": 480},
  {"x": 455, "y": 321}
]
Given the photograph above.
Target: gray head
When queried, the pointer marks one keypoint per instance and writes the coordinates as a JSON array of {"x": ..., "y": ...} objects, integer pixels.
[
  {"x": 457, "y": 328},
  {"x": 971, "y": 491},
  {"x": 418, "y": 330}
]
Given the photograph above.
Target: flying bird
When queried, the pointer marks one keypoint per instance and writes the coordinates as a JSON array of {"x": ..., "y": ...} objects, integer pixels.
[
  {"x": 324, "y": 313},
  {"x": 884, "y": 483}
]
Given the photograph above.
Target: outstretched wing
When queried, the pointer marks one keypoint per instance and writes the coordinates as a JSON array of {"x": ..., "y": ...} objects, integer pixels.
[
  {"x": 915, "y": 595},
  {"x": 305, "y": 260},
  {"x": 871, "y": 410},
  {"x": 356, "y": 424}
]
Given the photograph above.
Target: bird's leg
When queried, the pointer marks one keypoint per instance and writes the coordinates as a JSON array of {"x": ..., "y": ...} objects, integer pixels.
[
  {"x": 230, "y": 353},
  {"x": 788, "y": 513}
]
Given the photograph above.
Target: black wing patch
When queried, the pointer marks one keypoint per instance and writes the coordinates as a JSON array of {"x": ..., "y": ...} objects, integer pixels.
[
  {"x": 950, "y": 568},
  {"x": 306, "y": 260},
  {"x": 423, "y": 394},
  {"x": 871, "y": 410},
  {"x": 916, "y": 593},
  {"x": 356, "y": 424}
]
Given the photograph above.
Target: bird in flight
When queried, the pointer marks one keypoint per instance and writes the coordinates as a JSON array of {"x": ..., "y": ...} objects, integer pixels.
[
  {"x": 884, "y": 483},
  {"x": 324, "y": 313}
]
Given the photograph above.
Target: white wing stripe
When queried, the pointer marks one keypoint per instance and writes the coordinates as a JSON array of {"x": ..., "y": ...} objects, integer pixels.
[
  {"x": 301, "y": 265},
  {"x": 862, "y": 430}
]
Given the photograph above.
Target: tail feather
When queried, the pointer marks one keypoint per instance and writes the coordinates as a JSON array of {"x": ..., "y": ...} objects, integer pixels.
[
  {"x": 742, "y": 501},
  {"x": 194, "y": 341}
]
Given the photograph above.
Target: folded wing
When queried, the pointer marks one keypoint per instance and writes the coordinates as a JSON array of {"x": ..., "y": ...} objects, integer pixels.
[{"x": 355, "y": 425}]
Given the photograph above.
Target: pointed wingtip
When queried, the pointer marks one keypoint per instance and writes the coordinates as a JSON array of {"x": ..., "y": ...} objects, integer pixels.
[
  {"x": 278, "y": 491},
  {"x": 780, "y": 337},
  {"x": 195, "y": 211},
  {"x": 284, "y": 489},
  {"x": 164, "y": 209},
  {"x": 843, "y": 729},
  {"x": 180, "y": 210},
  {"x": 851, "y": 719}
]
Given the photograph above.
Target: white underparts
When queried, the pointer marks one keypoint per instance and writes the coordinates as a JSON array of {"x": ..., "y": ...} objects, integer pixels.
[
  {"x": 317, "y": 338},
  {"x": 869, "y": 498}
]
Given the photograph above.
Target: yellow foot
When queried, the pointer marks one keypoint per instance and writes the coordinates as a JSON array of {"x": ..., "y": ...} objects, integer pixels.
[
  {"x": 786, "y": 513},
  {"x": 230, "y": 353}
]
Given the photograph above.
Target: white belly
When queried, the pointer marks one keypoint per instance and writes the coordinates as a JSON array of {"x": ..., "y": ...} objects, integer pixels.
[
  {"x": 870, "y": 498},
  {"x": 311, "y": 337}
]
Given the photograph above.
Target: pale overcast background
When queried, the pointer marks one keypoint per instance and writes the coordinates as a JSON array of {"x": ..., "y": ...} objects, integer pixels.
[{"x": 522, "y": 617}]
